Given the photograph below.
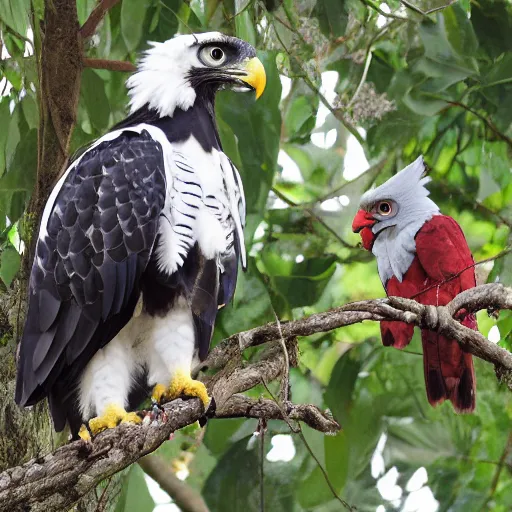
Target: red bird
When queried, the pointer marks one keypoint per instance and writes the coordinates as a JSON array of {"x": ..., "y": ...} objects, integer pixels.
[{"x": 421, "y": 254}]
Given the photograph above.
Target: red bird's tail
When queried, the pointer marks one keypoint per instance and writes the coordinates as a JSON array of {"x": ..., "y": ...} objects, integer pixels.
[
  {"x": 396, "y": 334},
  {"x": 449, "y": 373}
]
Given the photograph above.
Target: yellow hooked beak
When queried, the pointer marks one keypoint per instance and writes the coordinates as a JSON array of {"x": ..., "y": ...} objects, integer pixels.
[{"x": 256, "y": 76}]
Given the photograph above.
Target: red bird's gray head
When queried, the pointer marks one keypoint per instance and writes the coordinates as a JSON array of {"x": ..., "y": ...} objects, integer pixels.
[{"x": 396, "y": 207}]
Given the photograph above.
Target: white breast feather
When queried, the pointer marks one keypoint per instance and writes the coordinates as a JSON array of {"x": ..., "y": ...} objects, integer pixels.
[
  {"x": 395, "y": 250},
  {"x": 201, "y": 206}
]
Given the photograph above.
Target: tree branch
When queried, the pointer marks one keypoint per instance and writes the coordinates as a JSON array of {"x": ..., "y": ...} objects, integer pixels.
[
  {"x": 487, "y": 121},
  {"x": 500, "y": 465},
  {"x": 375, "y": 7},
  {"x": 393, "y": 308},
  {"x": 94, "y": 19},
  {"x": 112, "y": 65},
  {"x": 187, "y": 499},
  {"x": 240, "y": 406},
  {"x": 57, "y": 480}
]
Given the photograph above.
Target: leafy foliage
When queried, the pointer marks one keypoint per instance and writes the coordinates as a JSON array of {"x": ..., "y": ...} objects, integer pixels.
[{"x": 404, "y": 84}]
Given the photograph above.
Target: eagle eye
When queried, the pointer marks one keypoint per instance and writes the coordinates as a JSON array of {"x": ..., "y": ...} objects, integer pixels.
[
  {"x": 384, "y": 208},
  {"x": 216, "y": 53},
  {"x": 213, "y": 56}
]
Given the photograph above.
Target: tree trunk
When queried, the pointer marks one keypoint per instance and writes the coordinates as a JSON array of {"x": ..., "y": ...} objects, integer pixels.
[{"x": 28, "y": 433}]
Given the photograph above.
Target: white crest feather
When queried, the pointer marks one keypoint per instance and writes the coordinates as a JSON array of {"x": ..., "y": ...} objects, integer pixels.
[
  {"x": 395, "y": 246},
  {"x": 161, "y": 79}
]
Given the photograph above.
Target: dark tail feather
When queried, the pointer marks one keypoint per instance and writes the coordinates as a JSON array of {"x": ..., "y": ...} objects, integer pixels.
[
  {"x": 449, "y": 373},
  {"x": 396, "y": 334}
]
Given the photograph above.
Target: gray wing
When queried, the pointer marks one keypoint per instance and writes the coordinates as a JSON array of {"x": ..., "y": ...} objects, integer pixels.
[{"x": 96, "y": 241}]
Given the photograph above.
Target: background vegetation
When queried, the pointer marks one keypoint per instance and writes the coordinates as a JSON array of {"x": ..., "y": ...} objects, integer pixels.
[{"x": 349, "y": 82}]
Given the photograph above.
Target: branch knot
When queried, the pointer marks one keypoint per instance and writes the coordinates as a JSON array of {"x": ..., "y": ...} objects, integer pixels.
[{"x": 430, "y": 317}]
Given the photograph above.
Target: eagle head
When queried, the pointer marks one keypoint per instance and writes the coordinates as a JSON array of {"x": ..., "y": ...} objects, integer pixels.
[
  {"x": 175, "y": 73},
  {"x": 400, "y": 202}
]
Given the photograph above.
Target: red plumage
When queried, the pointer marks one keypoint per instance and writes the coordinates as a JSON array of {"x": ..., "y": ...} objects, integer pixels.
[{"x": 441, "y": 253}]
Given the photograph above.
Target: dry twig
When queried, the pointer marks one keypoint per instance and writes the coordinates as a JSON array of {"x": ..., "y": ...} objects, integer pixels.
[{"x": 94, "y": 19}]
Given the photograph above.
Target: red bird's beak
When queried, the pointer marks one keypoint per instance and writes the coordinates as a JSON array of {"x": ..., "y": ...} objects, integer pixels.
[
  {"x": 363, "y": 219},
  {"x": 362, "y": 223}
]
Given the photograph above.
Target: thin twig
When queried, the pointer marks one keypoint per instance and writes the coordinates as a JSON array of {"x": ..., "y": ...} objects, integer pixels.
[
  {"x": 261, "y": 431},
  {"x": 286, "y": 372},
  {"x": 499, "y": 469},
  {"x": 298, "y": 430},
  {"x": 312, "y": 214},
  {"x": 363, "y": 77},
  {"x": 5, "y": 86},
  {"x": 377, "y": 168},
  {"x": 324, "y": 472},
  {"x": 112, "y": 65},
  {"x": 416, "y": 9},
  {"x": 99, "y": 506},
  {"x": 184, "y": 495},
  {"x": 375, "y": 7},
  {"x": 98, "y": 13},
  {"x": 412, "y": 7},
  {"x": 336, "y": 113},
  {"x": 488, "y": 122},
  {"x": 441, "y": 7}
]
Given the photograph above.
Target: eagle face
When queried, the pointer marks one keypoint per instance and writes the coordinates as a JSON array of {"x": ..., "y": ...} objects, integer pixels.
[{"x": 174, "y": 74}]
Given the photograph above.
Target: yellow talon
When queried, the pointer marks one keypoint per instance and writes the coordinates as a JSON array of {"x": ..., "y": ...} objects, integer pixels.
[
  {"x": 158, "y": 392},
  {"x": 113, "y": 415},
  {"x": 131, "y": 417},
  {"x": 181, "y": 384},
  {"x": 84, "y": 434}
]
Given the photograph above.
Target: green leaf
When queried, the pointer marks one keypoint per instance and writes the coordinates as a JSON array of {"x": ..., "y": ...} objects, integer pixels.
[
  {"x": 5, "y": 116},
  {"x": 500, "y": 71},
  {"x": 245, "y": 28},
  {"x": 314, "y": 490},
  {"x": 218, "y": 434},
  {"x": 21, "y": 172},
  {"x": 338, "y": 395},
  {"x": 233, "y": 484},
  {"x": 332, "y": 16},
  {"x": 30, "y": 111},
  {"x": 15, "y": 14},
  {"x": 300, "y": 284},
  {"x": 84, "y": 8},
  {"x": 15, "y": 45},
  {"x": 13, "y": 137},
  {"x": 17, "y": 184},
  {"x": 459, "y": 30},
  {"x": 300, "y": 117},
  {"x": 13, "y": 76},
  {"x": 492, "y": 22},
  {"x": 10, "y": 261},
  {"x": 257, "y": 125},
  {"x": 423, "y": 104},
  {"x": 95, "y": 99},
  {"x": 133, "y": 13},
  {"x": 439, "y": 49},
  {"x": 135, "y": 496},
  {"x": 337, "y": 459}
]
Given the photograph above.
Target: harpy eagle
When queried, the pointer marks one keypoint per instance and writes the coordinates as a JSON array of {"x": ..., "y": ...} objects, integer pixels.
[{"x": 139, "y": 244}]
